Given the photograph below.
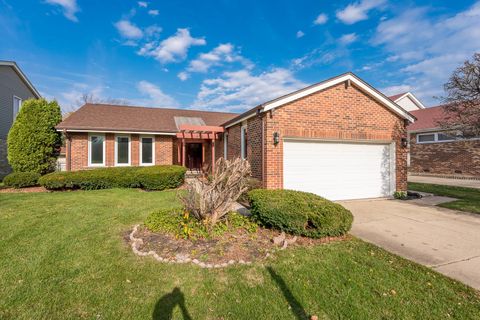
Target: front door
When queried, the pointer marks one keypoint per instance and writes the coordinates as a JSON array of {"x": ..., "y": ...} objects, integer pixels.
[{"x": 194, "y": 156}]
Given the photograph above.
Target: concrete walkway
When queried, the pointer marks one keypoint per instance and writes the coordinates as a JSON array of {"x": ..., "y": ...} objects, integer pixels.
[
  {"x": 446, "y": 181},
  {"x": 443, "y": 239}
]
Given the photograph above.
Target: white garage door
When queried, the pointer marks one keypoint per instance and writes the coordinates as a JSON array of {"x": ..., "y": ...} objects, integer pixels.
[{"x": 338, "y": 171}]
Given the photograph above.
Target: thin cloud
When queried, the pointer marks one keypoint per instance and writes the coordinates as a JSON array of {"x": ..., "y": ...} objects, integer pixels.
[
  {"x": 358, "y": 11},
  {"x": 156, "y": 97},
  {"x": 240, "y": 90},
  {"x": 300, "y": 34},
  {"x": 427, "y": 49},
  {"x": 69, "y": 8},
  {"x": 172, "y": 49},
  {"x": 322, "y": 18},
  {"x": 128, "y": 30},
  {"x": 142, "y": 4},
  {"x": 153, "y": 12},
  {"x": 348, "y": 38}
]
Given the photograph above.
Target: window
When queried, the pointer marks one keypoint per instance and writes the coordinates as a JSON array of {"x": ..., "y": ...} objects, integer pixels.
[
  {"x": 426, "y": 137},
  {"x": 17, "y": 104},
  {"x": 225, "y": 145},
  {"x": 244, "y": 142},
  {"x": 446, "y": 136},
  {"x": 96, "y": 150},
  {"x": 438, "y": 137},
  {"x": 122, "y": 151},
  {"x": 147, "y": 151}
]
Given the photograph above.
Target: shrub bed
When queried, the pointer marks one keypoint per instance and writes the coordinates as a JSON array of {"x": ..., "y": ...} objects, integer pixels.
[
  {"x": 182, "y": 225},
  {"x": 21, "y": 179},
  {"x": 299, "y": 213},
  {"x": 149, "y": 178}
]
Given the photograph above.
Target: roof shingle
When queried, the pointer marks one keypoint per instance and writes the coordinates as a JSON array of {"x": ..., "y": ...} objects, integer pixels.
[
  {"x": 105, "y": 117},
  {"x": 427, "y": 118}
]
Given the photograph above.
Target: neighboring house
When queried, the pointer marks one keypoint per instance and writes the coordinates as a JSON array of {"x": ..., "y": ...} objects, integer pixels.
[
  {"x": 14, "y": 88},
  {"x": 434, "y": 151},
  {"x": 407, "y": 101},
  {"x": 340, "y": 138}
]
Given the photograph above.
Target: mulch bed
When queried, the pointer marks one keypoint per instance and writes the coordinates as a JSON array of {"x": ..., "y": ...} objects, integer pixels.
[
  {"x": 236, "y": 245},
  {"x": 23, "y": 190}
]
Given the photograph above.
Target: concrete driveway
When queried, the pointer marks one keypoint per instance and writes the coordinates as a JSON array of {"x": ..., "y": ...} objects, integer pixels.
[{"x": 443, "y": 239}]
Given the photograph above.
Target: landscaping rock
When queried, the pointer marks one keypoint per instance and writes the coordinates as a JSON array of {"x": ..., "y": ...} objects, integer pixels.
[{"x": 278, "y": 240}]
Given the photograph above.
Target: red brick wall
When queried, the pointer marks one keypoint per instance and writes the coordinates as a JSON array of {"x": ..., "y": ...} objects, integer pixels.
[
  {"x": 335, "y": 113},
  {"x": 163, "y": 150},
  {"x": 460, "y": 158},
  {"x": 79, "y": 159}
]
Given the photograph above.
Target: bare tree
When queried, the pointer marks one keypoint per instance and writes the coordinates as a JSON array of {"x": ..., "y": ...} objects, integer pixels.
[
  {"x": 462, "y": 109},
  {"x": 210, "y": 199},
  {"x": 91, "y": 98}
]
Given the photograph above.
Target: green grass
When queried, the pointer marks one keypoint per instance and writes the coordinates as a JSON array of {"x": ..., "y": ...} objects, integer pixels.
[
  {"x": 63, "y": 257},
  {"x": 469, "y": 198}
]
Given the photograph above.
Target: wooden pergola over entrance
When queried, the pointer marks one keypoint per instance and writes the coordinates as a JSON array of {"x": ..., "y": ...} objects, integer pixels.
[{"x": 195, "y": 133}]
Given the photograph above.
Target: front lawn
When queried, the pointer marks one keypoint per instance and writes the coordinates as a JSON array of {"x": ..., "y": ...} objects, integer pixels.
[
  {"x": 469, "y": 198},
  {"x": 63, "y": 257}
]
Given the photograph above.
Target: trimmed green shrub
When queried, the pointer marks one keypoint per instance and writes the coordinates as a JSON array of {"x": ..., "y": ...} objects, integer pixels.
[
  {"x": 150, "y": 178},
  {"x": 180, "y": 224},
  {"x": 21, "y": 179},
  {"x": 299, "y": 213},
  {"x": 33, "y": 142}
]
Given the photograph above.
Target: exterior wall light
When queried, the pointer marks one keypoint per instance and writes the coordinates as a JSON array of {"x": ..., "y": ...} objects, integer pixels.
[
  {"x": 276, "y": 138},
  {"x": 404, "y": 142}
]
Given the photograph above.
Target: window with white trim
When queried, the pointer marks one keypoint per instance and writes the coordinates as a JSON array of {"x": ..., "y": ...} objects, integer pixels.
[
  {"x": 433, "y": 137},
  {"x": 147, "y": 151},
  {"x": 17, "y": 104},
  {"x": 96, "y": 150},
  {"x": 244, "y": 142},
  {"x": 122, "y": 150},
  {"x": 225, "y": 145}
]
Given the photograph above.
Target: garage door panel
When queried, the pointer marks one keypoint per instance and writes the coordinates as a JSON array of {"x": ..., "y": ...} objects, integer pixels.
[{"x": 337, "y": 170}]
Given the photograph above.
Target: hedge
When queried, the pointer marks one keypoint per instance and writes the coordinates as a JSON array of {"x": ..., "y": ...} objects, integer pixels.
[
  {"x": 149, "y": 178},
  {"x": 299, "y": 213},
  {"x": 21, "y": 179}
]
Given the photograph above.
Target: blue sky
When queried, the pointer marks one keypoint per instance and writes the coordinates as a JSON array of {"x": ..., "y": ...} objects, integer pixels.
[{"x": 232, "y": 55}]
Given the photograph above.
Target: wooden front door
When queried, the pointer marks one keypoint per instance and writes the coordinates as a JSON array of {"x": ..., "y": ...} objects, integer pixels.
[{"x": 194, "y": 156}]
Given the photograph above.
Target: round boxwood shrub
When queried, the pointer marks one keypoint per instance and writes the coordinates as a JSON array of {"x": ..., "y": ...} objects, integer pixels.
[
  {"x": 299, "y": 213},
  {"x": 21, "y": 179},
  {"x": 150, "y": 178},
  {"x": 33, "y": 142}
]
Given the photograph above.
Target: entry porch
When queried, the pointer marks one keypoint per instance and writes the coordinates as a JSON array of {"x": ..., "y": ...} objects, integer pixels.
[{"x": 197, "y": 147}]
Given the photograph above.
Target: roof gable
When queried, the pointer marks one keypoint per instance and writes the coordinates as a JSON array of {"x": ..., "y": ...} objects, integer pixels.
[
  {"x": 22, "y": 76},
  {"x": 408, "y": 101},
  {"x": 348, "y": 78}
]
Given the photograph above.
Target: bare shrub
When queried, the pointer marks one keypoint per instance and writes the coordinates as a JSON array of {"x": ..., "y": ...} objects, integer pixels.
[{"x": 210, "y": 199}]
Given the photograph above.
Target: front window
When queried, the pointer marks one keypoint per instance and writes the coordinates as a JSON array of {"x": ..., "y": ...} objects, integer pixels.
[
  {"x": 147, "y": 151},
  {"x": 244, "y": 142},
  {"x": 17, "y": 104},
  {"x": 123, "y": 150},
  {"x": 96, "y": 150}
]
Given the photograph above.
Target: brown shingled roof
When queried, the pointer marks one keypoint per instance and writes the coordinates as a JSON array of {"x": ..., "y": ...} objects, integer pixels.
[
  {"x": 396, "y": 96},
  {"x": 103, "y": 117},
  {"x": 427, "y": 118}
]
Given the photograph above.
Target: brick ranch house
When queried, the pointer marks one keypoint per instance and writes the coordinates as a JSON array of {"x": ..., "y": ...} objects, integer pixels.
[
  {"x": 340, "y": 138},
  {"x": 435, "y": 152}
]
